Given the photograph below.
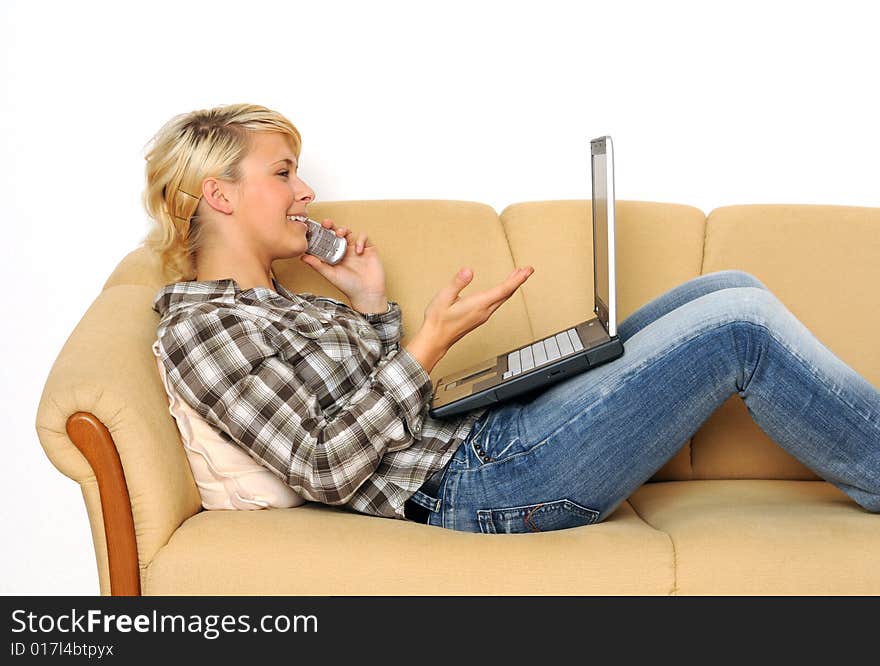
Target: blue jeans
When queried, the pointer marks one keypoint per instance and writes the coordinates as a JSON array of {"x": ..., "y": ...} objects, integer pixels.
[{"x": 568, "y": 456}]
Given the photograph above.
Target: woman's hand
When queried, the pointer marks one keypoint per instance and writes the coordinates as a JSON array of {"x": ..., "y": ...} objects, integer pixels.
[
  {"x": 360, "y": 275},
  {"x": 449, "y": 317}
]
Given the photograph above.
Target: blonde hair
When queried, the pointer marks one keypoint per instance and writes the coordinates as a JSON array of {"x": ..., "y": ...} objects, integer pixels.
[{"x": 187, "y": 149}]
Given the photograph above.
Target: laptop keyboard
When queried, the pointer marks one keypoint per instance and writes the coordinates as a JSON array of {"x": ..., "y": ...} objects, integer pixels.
[{"x": 542, "y": 352}]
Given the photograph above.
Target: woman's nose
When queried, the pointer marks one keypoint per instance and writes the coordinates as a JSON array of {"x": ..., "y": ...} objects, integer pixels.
[{"x": 303, "y": 191}]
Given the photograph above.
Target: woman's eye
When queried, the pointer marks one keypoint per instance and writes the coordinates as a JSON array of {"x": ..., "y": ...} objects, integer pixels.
[{"x": 284, "y": 173}]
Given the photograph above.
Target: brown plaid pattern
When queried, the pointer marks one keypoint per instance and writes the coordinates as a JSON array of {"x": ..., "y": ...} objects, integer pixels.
[{"x": 321, "y": 395}]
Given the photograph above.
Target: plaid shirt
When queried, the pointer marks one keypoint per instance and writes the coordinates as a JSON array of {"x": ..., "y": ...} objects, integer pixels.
[{"x": 321, "y": 395}]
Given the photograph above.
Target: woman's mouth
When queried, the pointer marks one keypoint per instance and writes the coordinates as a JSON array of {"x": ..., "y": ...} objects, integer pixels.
[{"x": 299, "y": 218}]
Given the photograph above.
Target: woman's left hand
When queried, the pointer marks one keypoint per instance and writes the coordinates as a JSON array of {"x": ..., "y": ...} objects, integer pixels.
[{"x": 359, "y": 275}]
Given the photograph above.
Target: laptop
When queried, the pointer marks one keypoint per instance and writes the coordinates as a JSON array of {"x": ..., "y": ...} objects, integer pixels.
[{"x": 568, "y": 352}]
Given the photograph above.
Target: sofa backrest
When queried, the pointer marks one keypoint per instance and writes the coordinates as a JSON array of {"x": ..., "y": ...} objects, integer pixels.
[
  {"x": 822, "y": 262},
  {"x": 423, "y": 244}
]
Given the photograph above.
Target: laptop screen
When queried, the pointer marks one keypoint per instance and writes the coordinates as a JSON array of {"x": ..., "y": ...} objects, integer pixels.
[{"x": 601, "y": 166}]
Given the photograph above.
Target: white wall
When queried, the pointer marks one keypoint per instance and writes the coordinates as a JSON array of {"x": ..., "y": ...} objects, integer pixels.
[{"x": 753, "y": 102}]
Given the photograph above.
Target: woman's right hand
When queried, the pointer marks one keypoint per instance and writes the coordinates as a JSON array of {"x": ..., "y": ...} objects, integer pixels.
[{"x": 449, "y": 316}]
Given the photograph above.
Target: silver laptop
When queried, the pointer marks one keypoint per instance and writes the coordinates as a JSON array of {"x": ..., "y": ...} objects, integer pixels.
[{"x": 556, "y": 357}]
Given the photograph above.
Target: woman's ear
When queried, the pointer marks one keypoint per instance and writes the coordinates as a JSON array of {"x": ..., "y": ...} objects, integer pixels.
[{"x": 217, "y": 194}]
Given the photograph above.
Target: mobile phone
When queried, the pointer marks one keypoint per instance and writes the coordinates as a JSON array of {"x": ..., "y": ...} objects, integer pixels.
[{"x": 324, "y": 243}]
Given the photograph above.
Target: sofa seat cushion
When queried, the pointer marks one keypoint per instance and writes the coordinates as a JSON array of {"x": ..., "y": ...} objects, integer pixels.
[
  {"x": 317, "y": 549},
  {"x": 765, "y": 537}
]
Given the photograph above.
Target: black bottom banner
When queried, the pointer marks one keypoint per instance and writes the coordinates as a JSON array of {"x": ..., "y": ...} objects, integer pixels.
[{"x": 139, "y": 629}]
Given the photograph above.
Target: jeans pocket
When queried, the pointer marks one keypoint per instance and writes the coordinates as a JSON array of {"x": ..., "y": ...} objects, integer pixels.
[
  {"x": 498, "y": 436},
  {"x": 559, "y": 514}
]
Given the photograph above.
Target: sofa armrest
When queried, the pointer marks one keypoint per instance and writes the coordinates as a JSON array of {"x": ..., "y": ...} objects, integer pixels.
[
  {"x": 103, "y": 394},
  {"x": 116, "y": 531}
]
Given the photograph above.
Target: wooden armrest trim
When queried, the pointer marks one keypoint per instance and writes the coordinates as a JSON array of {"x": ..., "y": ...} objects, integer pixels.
[{"x": 96, "y": 443}]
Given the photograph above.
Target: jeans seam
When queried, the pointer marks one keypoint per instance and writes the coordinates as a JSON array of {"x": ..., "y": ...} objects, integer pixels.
[
  {"x": 736, "y": 352},
  {"x": 445, "y": 510}
]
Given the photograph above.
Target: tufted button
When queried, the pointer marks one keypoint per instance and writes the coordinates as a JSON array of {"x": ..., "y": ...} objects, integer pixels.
[{"x": 486, "y": 458}]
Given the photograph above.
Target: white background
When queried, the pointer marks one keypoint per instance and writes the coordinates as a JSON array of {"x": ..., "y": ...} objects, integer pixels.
[{"x": 709, "y": 104}]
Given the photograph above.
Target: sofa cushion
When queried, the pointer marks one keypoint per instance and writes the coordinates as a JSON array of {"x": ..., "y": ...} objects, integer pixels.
[
  {"x": 659, "y": 245},
  {"x": 423, "y": 243},
  {"x": 226, "y": 476},
  {"x": 764, "y": 537},
  {"x": 324, "y": 550},
  {"x": 823, "y": 263}
]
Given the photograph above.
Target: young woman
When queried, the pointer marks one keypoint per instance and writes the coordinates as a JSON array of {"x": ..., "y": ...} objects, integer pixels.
[{"x": 324, "y": 395}]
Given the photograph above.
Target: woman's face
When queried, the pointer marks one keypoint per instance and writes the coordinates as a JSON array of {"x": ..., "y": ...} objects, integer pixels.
[{"x": 269, "y": 191}]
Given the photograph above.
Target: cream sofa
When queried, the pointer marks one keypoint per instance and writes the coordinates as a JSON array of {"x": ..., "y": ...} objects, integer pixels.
[{"x": 732, "y": 513}]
